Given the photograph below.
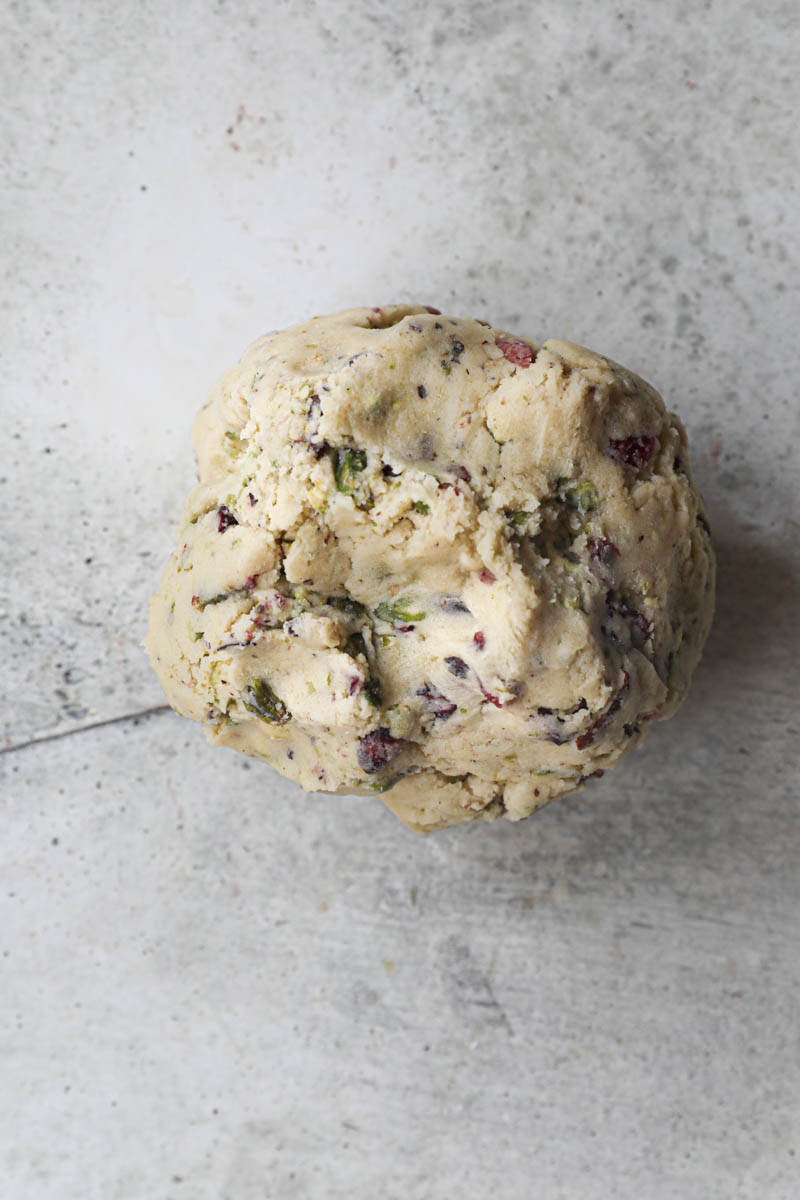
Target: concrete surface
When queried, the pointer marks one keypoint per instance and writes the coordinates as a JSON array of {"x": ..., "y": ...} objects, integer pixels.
[{"x": 213, "y": 987}]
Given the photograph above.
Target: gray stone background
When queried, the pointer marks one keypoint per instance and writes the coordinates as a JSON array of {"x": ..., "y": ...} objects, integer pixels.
[{"x": 212, "y": 986}]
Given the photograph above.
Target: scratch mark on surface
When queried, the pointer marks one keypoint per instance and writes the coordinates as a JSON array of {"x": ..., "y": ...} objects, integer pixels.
[{"x": 65, "y": 733}]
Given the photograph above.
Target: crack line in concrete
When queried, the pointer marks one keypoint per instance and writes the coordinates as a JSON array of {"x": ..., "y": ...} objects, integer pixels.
[{"x": 55, "y": 737}]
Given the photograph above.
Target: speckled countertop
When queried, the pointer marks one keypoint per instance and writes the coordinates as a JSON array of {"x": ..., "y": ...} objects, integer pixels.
[{"x": 213, "y": 987}]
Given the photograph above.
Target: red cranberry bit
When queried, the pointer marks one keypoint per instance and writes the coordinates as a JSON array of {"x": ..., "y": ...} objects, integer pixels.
[
  {"x": 452, "y": 604},
  {"x": 439, "y": 705},
  {"x": 377, "y": 748},
  {"x": 456, "y": 666},
  {"x": 436, "y": 312},
  {"x": 460, "y": 472},
  {"x": 517, "y": 352},
  {"x": 354, "y": 684},
  {"x": 637, "y": 619},
  {"x": 602, "y": 550},
  {"x": 634, "y": 451},
  {"x": 249, "y": 583},
  {"x": 479, "y": 639},
  {"x": 488, "y": 696},
  {"x": 558, "y": 739},
  {"x": 226, "y": 518},
  {"x": 486, "y": 576},
  {"x": 587, "y": 738}
]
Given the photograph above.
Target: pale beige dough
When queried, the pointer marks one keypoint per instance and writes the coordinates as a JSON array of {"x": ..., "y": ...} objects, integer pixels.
[{"x": 432, "y": 561}]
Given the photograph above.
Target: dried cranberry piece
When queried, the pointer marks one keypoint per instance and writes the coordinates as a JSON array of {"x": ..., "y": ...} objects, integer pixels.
[
  {"x": 637, "y": 619},
  {"x": 456, "y": 666},
  {"x": 602, "y": 550},
  {"x": 436, "y": 312},
  {"x": 486, "y": 576},
  {"x": 634, "y": 451},
  {"x": 488, "y": 696},
  {"x": 459, "y": 472},
  {"x": 517, "y": 352},
  {"x": 558, "y": 739},
  {"x": 452, "y": 604},
  {"x": 313, "y": 416},
  {"x": 377, "y": 748},
  {"x": 226, "y": 518},
  {"x": 439, "y": 705},
  {"x": 618, "y": 608},
  {"x": 479, "y": 639},
  {"x": 587, "y": 738},
  {"x": 314, "y": 412}
]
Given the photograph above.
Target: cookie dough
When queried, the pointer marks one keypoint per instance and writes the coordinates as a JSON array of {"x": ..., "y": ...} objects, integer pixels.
[{"x": 431, "y": 561}]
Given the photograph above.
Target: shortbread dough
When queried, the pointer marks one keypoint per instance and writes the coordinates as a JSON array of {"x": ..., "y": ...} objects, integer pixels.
[{"x": 431, "y": 561}]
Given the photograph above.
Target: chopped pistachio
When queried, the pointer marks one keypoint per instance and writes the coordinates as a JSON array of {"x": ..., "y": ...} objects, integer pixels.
[
  {"x": 383, "y": 785},
  {"x": 346, "y": 605},
  {"x": 581, "y": 497},
  {"x": 355, "y": 645},
  {"x": 259, "y": 698},
  {"x": 349, "y": 462},
  {"x": 233, "y": 443},
  {"x": 399, "y": 611}
]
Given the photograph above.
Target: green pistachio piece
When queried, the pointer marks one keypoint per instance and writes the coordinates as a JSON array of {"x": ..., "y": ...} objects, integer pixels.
[
  {"x": 356, "y": 645},
  {"x": 344, "y": 604},
  {"x": 398, "y": 612},
  {"x": 259, "y": 698},
  {"x": 581, "y": 497},
  {"x": 349, "y": 462},
  {"x": 385, "y": 784}
]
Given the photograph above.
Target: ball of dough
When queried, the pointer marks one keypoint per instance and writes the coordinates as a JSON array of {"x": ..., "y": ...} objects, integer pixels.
[{"x": 431, "y": 561}]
